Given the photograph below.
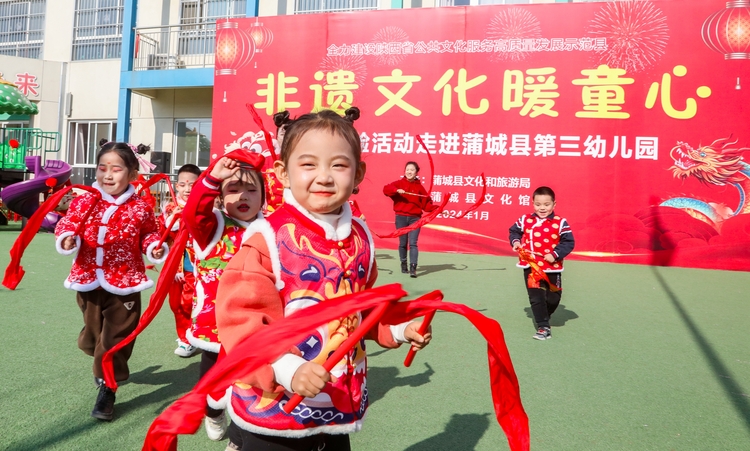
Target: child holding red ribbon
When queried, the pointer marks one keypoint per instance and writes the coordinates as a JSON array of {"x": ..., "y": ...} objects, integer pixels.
[
  {"x": 547, "y": 239},
  {"x": 108, "y": 230},
  {"x": 310, "y": 250},
  {"x": 217, "y": 235},
  {"x": 183, "y": 290}
]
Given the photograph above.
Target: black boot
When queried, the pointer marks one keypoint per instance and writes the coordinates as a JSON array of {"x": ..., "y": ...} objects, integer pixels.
[
  {"x": 104, "y": 409},
  {"x": 413, "y": 270},
  {"x": 404, "y": 269}
]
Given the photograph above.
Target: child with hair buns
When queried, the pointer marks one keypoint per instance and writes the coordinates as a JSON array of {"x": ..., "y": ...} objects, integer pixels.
[{"x": 310, "y": 250}]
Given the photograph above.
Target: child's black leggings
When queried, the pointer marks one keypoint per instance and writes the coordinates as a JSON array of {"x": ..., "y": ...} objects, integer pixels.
[
  {"x": 208, "y": 360},
  {"x": 543, "y": 301},
  {"x": 320, "y": 442}
]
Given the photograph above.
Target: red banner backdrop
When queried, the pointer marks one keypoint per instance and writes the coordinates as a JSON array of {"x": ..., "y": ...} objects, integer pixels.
[{"x": 635, "y": 113}]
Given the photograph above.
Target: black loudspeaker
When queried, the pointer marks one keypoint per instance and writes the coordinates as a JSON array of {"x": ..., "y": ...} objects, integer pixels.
[{"x": 162, "y": 161}]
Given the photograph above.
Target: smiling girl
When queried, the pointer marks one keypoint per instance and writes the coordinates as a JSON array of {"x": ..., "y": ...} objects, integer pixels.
[
  {"x": 217, "y": 235},
  {"x": 310, "y": 250},
  {"x": 108, "y": 232}
]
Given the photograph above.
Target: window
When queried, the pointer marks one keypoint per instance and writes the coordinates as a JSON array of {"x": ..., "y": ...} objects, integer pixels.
[
  {"x": 207, "y": 11},
  {"x": 97, "y": 32},
  {"x": 327, "y": 6},
  {"x": 198, "y": 23},
  {"x": 192, "y": 143},
  {"x": 482, "y": 2},
  {"x": 83, "y": 140},
  {"x": 13, "y": 124},
  {"x": 22, "y": 28}
]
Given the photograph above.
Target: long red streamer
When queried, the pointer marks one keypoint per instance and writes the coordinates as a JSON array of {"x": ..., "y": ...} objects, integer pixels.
[
  {"x": 168, "y": 229},
  {"x": 186, "y": 414},
  {"x": 477, "y": 203},
  {"x": 14, "y": 271},
  {"x": 163, "y": 284},
  {"x": 425, "y": 219},
  {"x": 537, "y": 274},
  {"x": 266, "y": 135},
  {"x": 432, "y": 164}
]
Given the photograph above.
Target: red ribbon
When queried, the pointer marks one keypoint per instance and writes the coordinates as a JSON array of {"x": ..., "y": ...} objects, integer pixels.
[
  {"x": 168, "y": 229},
  {"x": 163, "y": 284},
  {"x": 432, "y": 164},
  {"x": 536, "y": 275},
  {"x": 425, "y": 219},
  {"x": 477, "y": 203},
  {"x": 186, "y": 414},
  {"x": 372, "y": 320},
  {"x": 266, "y": 135},
  {"x": 14, "y": 271}
]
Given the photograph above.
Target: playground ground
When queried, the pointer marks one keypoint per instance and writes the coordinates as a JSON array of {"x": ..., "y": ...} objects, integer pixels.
[{"x": 641, "y": 358}]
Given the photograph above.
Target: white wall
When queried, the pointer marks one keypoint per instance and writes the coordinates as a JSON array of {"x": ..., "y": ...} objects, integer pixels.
[
  {"x": 58, "y": 30},
  {"x": 153, "y": 119}
]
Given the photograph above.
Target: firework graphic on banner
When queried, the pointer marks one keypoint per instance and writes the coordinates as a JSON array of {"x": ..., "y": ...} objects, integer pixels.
[
  {"x": 389, "y": 36},
  {"x": 514, "y": 26},
  {"x": 636, "y": 33},
  {"x": 351, "y": 63}
]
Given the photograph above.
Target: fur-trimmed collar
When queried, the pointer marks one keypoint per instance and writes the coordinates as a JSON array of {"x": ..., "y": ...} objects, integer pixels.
[
  {"x": 121, "y": 199},
  {"x": 342, "y": 231}
]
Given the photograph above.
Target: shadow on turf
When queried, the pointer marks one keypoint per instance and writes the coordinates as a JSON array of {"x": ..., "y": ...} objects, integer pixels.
[
  {"x": 423, "y": 270},
  {"x": 176, "y": 383},
  {"x": 558, "y": 319},
  {"x": 733, "y": 392},
  {"x": 382, "y": 379},
  {"x": 463, "y": 432}
]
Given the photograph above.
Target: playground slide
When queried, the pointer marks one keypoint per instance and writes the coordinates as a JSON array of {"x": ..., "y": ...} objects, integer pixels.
[{"x": 23, "y": 197}]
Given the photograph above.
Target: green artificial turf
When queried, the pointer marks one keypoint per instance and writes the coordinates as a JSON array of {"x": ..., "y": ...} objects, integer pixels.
[{"x": 641, "y": 358}]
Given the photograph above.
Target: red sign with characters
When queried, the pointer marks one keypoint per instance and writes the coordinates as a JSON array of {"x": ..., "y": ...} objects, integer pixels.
[{"x": 635, "y": 113}]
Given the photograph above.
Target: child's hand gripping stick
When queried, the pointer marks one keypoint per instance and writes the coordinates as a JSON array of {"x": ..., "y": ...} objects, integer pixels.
[
  {"x": 422, "y": 330},
  {"x": 372, "y": 320}
]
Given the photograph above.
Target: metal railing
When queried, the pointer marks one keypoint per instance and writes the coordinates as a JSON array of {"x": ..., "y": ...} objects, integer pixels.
[
  {"x": 328, "y": 6},
  {"x": 175, "y": 46},
  {"x": 18, "y": 143}
]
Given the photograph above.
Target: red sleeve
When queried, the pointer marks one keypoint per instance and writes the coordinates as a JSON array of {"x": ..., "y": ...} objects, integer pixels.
[
  {"x": 198, "y": 213},
  {"x": 391, "y": 188},
  {"x": 248, "y": 300},
  {"x": 76, "y": 212}
]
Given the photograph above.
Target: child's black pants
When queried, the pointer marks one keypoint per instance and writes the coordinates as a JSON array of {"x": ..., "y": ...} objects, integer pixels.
[{"x": 543, "y": 301}]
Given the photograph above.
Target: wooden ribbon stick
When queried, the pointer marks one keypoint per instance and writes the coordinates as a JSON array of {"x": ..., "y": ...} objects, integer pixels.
[
  {"x": 368, "y": 323},
  {"x": 168, "y": 229},
  {"x": 422, "y": 330}
]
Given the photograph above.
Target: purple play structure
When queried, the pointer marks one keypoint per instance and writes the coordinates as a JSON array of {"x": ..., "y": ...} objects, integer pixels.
[{"x": 23, "y": 197}]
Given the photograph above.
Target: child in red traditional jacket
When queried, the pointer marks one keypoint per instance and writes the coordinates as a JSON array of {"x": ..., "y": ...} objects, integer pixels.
[
  {"x": 217, "y": 235},
  {"x": 108, "y": 232},
  {"x": 549, "y": 239},
  {"x": 310, "y": 250},
  {"x": 410, "y": 200},
  {"x": 182, "y": 291}
]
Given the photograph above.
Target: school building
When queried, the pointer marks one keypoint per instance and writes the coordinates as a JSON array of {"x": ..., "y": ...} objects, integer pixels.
[{"x": 136, "y": 71}]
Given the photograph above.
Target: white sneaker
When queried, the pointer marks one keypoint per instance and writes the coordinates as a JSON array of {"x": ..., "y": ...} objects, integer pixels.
[
  {"x": 216, "y": 428},
  {"x": 184, "y": 349}
]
